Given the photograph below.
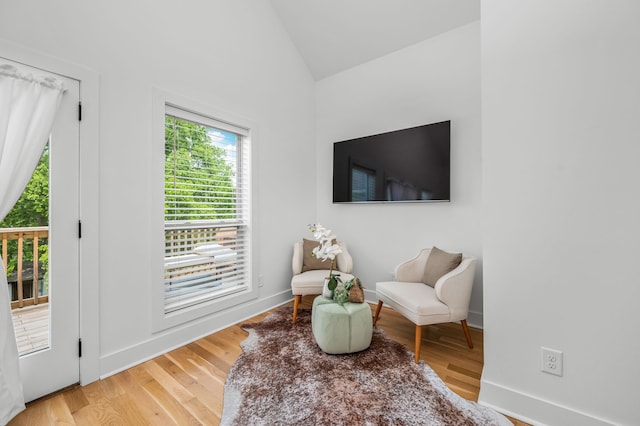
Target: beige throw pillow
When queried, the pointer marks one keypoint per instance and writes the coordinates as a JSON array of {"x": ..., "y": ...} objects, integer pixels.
[
  {"x": 309, "y": 261},
  {"x": 439, "y": 263}
]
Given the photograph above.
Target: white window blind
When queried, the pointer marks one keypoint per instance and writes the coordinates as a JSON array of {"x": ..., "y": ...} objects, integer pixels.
[{"x": 206, "y": 209}]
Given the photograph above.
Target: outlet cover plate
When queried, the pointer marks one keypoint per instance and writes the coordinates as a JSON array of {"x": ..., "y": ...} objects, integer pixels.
[{"x": 551, "y": 361}]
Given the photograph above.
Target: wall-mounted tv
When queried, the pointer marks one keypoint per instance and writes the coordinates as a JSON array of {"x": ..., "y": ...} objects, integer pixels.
[{"x": 408, "y": 165}]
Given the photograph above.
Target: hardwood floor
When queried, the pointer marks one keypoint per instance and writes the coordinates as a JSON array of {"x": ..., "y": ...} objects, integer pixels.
[{"x": 185, "y": 386}]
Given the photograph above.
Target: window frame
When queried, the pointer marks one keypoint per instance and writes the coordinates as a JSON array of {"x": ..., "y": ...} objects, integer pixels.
[
  {"x": 167, "y": 103},
  {"x": 369, "y": 174}
]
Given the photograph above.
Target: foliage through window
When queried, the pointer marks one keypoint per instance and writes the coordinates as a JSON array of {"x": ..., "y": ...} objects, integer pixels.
[
  {"x": 28, "y": 217},
  {"x": 206, "y": 209}
]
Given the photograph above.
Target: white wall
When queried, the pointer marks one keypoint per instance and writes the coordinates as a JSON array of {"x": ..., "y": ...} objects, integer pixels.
[
  {"x": 234, "y": 56},
  {"x": 560, "y": 96},
  {"x": 435, "y": 80}
]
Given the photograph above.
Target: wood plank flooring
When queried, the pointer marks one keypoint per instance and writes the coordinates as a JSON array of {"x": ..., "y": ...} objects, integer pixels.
[
  {"x": 31, "y": 325},
  {"x": 185, "y": 386}
]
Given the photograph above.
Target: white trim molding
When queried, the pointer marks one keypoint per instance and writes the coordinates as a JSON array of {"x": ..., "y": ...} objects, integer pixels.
[
  {"x": 161, "y": 321},
  {"x": 475, "y": 319},
  {"x": 89, "y": 195},
  {"x": 532, "y": 409},
  {"x": 179, "y": 336}
]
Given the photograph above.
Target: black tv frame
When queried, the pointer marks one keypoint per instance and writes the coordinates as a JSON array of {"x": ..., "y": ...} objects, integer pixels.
[{"x": 400, "y": 166}]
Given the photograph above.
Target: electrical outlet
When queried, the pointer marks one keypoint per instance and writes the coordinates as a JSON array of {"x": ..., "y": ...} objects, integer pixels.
[
  {"x": 260, "y": 280},
  {"x": 551, "y": 361}
]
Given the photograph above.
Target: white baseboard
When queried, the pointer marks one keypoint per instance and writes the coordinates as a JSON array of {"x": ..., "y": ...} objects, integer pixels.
[
  {"x": 370, "y": 296},
  {"x": 474, "y": 319},
  {"x": 176, "y": 337},
  {"x": 531, "y": 409}
]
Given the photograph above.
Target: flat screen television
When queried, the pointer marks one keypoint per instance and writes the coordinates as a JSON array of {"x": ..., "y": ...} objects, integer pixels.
[{"x": 408, "y": 165}]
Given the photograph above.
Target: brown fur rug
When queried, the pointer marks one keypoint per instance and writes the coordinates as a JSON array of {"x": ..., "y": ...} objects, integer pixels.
[{"x": 283, "y": 378}]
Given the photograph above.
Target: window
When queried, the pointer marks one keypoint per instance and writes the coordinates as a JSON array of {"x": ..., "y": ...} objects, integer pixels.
[
  {"x": 206, "y": 210},
  {"x": 363, "y": 184}
]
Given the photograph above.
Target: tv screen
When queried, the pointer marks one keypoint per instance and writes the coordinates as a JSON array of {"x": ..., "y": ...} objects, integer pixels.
[{"x": 408, "y": 165}]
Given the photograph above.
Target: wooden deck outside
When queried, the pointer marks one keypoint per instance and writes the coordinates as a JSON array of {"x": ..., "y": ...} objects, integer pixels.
[
  {"x": 31, "y": 324},
  {"x": 28, "y": 290}
]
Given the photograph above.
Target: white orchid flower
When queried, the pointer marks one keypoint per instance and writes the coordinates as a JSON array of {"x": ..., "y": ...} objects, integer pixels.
[
  {"x": 317, "y": 252},
  {"x": 326, "y": 250},
  {"x": 333, "y": 250},
  {"x": 320, "y": 233}
]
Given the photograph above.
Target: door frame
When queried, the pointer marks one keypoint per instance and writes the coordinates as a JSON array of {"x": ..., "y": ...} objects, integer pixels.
[{"x": 89, "y": 260}]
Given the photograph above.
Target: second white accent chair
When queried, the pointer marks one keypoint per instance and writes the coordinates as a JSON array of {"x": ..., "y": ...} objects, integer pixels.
[{"x": 424, "y": 295}]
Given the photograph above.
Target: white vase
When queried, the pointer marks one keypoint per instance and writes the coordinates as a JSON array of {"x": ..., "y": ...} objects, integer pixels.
[{"x": 326, "y": 293}]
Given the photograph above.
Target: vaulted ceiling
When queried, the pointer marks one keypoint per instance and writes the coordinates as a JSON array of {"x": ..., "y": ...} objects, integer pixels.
[{"x": 335, "y": 35}]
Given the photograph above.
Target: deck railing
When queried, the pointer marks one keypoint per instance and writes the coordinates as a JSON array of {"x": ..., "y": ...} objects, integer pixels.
[
  {"x": 25, "y": 280},
  {"x": 180, "y": 240}
]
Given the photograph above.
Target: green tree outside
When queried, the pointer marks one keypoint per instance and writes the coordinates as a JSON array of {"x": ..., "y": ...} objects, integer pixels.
[
  {"x": 198, "y": 179},
  {"x": 198, "y": 185},
  {"x": 32, "y": 209}
]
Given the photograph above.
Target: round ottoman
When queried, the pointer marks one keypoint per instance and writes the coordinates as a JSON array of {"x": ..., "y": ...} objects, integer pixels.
[{"x": 341, "y": 329}]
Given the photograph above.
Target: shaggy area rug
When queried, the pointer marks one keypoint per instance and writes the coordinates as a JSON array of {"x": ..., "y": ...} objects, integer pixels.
[{"x": 283, "y": 378}]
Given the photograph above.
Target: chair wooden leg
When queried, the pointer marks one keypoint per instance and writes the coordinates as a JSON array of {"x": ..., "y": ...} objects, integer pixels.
[
  {"x": 418, "y": 342},
  {"x": 465, "y": 328},
  {"x": 296, "y": 302},
  {"x": 375, "y": 316}
]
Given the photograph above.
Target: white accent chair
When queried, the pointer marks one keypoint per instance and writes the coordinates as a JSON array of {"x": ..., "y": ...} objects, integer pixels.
[
  {"x": 447, "y": 301},
  {"x": 311, "y": 282}
]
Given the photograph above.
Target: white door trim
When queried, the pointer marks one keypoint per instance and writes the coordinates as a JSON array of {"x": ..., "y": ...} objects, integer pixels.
[{"x": 89, "y": 196}]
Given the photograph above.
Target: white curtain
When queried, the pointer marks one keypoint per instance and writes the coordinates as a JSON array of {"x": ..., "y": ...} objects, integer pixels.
[{"x": 28, "y": 106}]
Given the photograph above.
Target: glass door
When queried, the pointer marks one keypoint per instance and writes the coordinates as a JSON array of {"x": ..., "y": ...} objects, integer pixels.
[{"x": 41, "y": 250}]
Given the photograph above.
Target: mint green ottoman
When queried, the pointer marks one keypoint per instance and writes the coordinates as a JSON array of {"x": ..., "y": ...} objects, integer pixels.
[{"x": 341, "y": 329}]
